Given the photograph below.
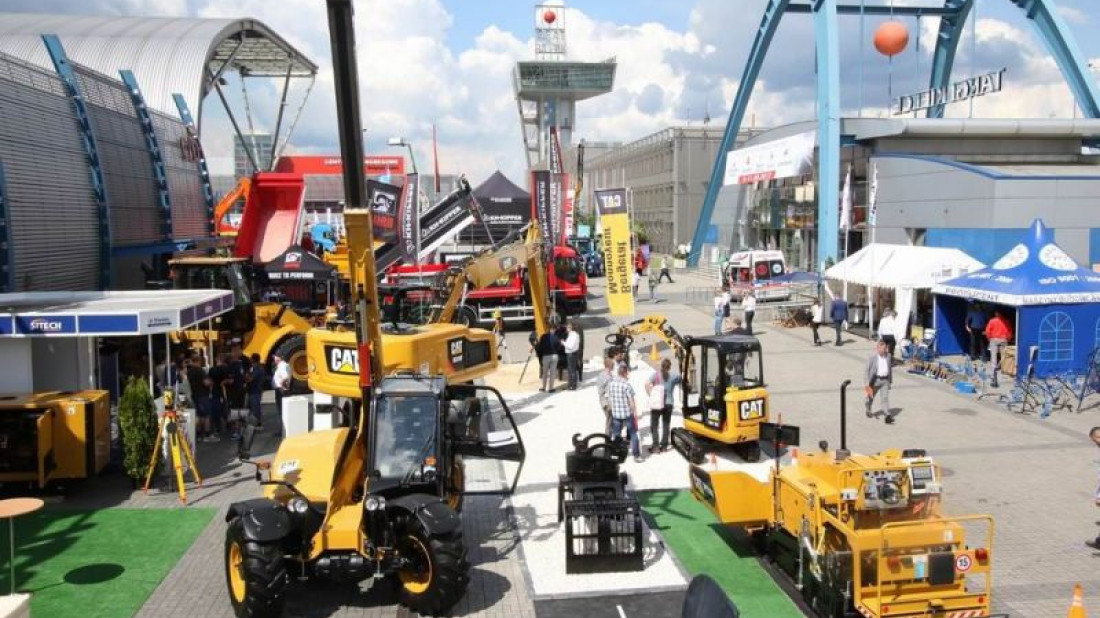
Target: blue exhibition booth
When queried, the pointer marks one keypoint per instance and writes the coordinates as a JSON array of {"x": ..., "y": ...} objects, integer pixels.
[{"x": 1052, "y": 303}]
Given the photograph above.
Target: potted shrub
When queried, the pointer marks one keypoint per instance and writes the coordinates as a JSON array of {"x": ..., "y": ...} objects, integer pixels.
[{"x": 137, "y": 420}]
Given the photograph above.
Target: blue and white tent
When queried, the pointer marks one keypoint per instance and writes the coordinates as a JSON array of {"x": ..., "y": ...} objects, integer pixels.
[{"x": 1053, "y": 301}]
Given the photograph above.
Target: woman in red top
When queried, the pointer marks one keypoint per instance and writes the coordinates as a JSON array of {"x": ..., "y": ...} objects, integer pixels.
[{"x": 998, "y": 333}]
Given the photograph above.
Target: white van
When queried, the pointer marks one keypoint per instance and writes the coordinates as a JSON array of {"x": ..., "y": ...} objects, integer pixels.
[{"x": 755, "y": 270}]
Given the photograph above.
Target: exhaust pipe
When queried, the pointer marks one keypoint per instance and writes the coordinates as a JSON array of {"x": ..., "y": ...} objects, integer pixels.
[{"x": 843, "y": 419}]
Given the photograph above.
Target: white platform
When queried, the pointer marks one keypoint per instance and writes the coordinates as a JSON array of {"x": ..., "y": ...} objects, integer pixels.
[{"x": 15, "y": 606}]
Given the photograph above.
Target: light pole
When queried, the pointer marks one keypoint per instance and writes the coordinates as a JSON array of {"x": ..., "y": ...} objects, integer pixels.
[{"x": 402, "y": 142}]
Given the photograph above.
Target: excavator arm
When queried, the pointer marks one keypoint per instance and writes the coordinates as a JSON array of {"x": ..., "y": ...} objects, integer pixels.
[
  {"x": 657, "y": 325},
  {"x": 241, "y": 191},
  {"x": 483, "y": 269}
]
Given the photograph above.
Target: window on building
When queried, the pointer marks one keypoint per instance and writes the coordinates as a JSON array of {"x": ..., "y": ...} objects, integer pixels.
[{"x": 1056, "y": 337}]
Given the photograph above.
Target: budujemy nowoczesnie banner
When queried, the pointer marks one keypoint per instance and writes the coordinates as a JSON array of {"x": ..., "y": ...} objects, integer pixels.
[{"x": 617, "y": 252}]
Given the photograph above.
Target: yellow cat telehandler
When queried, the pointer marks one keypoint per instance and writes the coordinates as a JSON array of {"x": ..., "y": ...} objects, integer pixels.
[{"x": 366, "y": 501}]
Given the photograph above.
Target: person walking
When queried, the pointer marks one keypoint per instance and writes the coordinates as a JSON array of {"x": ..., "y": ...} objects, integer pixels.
[
  {"x": 572, "y": 347},
  {"x": 748, "y": 309},
  {"x": 817, "y": 316},
  {"x": 877, "y": 382},
  {"x": 887, "y": 326},
  {"x": 221, "y": 380},
  {"x": 664, "y": 270},
  {"x": 838, "y": 313},
  {"x": 653, "y": 281},
  {"x": 660, "y": 389},
  {"x": 254, "y": 382},
  {"x": 721, "y": 309},
  {"x": 547, "y": 350},
  {"x": 637, "y": 280},
  {"x": 280, "y": 381},
  {"x": 976, "y": 321},
  {"x": 502, "y": 341},
  {"x": 624, "y": 412},
  {"x": 200, "y": 398},
  {"x": 999, "y": 333},
  {"x": 1094, "y": 434},
  {"x": 602, "y": 381}
]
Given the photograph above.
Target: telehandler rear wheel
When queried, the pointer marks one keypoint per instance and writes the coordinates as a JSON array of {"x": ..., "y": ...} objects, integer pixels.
[
  {"x": 293, "y": 351},
  {"x": 456, "y": 485},
  {"x": 255, "y": 574},
  {"x": 437, "y": 575}
]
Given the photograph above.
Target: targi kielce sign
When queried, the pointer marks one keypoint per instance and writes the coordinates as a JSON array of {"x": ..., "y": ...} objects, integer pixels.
[
  {"x": 617, "y": 252},
  {"x": 959, "y": 91}
]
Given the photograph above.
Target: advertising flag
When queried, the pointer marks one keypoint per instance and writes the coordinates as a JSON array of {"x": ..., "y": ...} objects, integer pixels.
[
  {"x": 846, "y": 201},
  {"x": 617, "y": 251},
  {"x": 541, "y": 181},
  {"x": 409, "y": 219},
  {"x": 872, "y": 196},
  {"x": 383, "y": 199}
]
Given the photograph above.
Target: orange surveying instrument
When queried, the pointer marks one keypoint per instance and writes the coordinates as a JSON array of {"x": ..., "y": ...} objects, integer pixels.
[{"x": 177, "y": 444}]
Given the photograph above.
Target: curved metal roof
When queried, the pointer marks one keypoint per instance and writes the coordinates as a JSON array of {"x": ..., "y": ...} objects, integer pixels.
[{"x": 166, "y": 54}]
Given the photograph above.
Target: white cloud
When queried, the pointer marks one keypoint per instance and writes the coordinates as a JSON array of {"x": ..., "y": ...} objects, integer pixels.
[{"x": 1073, "y": 15}]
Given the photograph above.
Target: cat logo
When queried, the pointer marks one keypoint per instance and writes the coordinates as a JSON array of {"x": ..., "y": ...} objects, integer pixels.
[
  {"x": 751, "y": 409},
  {"x": 342, "y": 360},
  {"x": 456, "y": 349},
  {"x": 507, "y": 262}
]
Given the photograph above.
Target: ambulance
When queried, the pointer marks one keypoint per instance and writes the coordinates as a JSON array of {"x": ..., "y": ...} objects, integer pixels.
[{"x": 756, "y": 271}]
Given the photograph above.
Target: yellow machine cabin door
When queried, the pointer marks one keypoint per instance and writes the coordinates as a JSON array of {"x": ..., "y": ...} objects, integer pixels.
[
  {"x": 703, "y": 389},
  {"x": 46, "y": 461}
]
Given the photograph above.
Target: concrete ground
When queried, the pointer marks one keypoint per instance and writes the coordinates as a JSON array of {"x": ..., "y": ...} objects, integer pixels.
[{"x": 1035, "y": 477}]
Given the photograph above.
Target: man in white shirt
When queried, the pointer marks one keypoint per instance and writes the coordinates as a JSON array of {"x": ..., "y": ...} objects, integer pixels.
[
  {"x": 572, "y": 347},
  {"x": 877, "y": 381},
  {"x": 886, "y": 327},
  {"x": 748, "y": 306},
  {"x": 280, "y": 381}
]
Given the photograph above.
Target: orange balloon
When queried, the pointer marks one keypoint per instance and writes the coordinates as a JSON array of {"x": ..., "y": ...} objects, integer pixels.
[{"x": 891, "y": 38}]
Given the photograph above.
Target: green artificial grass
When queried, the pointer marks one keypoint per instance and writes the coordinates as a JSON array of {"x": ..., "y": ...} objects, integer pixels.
[
  {"x": 702, "y": 545},
  {"x": 96, "y": 564}
]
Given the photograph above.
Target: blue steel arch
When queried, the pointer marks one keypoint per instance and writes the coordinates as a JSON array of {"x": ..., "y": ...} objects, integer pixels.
[
  {"x": 1042, "y": 14},
  {"x": 153, "y": 145}
]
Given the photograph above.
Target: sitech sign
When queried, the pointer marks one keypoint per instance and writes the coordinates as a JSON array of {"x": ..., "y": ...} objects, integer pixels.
[{"x": 45, "y": 324}]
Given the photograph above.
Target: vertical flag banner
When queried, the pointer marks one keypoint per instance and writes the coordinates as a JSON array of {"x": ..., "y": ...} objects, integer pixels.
[
  {"x": 846, "y": 201},
  {"x": 383, "y": 199},
  {"x": 872, "y": 196},
  {"x": 541, "y": 182},
  {"x": 409, "y": 219},
  {"x": 617, "y": 252}
]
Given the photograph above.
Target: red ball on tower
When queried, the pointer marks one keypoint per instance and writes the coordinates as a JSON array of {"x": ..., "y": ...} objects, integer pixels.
[
  {"x": 549, "y": 16},
  {"x": 891, "y": 38}
]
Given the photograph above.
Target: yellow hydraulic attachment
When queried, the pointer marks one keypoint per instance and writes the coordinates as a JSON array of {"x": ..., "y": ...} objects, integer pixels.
[
  {"x": 858, "y": 534},
  {"x": 724, "y": 396}
]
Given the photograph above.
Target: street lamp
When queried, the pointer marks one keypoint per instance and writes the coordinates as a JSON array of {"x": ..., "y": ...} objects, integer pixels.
[{"x": 402, "y": 142}]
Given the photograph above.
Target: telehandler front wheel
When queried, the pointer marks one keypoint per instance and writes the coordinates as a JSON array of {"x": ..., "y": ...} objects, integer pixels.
[
  {"x": 255, "y": 575},
  {"x": 437, "y": 573}
]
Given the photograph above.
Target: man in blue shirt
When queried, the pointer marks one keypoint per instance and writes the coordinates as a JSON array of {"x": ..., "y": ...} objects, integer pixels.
[
  {"x": 838, "y": 312},
  {"x": 976, "y": 320}
]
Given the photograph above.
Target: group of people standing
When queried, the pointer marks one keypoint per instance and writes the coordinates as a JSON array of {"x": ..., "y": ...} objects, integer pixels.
[
  {"x": 620, "y": 408},
  {"x": 226, "y": 393},
  {"x": 723, "y": 321},
  {"x": 560, "y": 344}
]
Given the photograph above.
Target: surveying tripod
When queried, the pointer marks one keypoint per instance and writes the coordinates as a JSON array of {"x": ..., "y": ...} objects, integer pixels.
[{"x": 177, "y": 443}]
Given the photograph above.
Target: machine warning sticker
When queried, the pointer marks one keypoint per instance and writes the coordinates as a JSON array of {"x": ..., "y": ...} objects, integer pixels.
[
  {"x": 750, "y": 409},
  {"x": 962, "y": 563}
]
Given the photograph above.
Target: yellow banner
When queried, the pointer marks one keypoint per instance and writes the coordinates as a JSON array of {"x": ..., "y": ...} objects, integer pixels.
[{"x": 617, "y": 252}]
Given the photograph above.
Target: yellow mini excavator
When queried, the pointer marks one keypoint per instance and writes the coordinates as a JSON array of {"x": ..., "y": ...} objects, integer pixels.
[
  {"x": 859, "y": 535},
  {"x": 723, "y": 392},
  {"x": 366, "y": 502}
]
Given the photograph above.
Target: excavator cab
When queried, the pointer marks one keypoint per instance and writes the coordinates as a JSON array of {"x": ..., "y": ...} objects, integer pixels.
[{"x": 724, "y": 396}]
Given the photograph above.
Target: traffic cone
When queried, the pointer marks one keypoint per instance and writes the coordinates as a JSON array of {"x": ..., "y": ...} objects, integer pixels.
[
  {"x": 1077, "y": 608},
  {"x": 713, "y": 461},
  {"x": 794, "y": 456},
  {"x": 653, "y": 355}
]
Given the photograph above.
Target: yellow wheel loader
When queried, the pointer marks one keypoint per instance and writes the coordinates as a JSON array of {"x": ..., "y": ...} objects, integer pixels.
[
  {"x": 724, "y": 396},
  {"x": 374, "y": 500},
  {"x": 859, "y": 535},
  {"x": 265, "y": 328}
]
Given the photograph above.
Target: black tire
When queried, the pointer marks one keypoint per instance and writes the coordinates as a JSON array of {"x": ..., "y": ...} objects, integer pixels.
[
  {"x": 293, "y": 351},
  {"x": 466, "y": 316},
  {"x": 750, "y": 452},
  {"x": 456, "y": 485},
  {"x": 440, "y": 575},
  {"x": 263, "y": 570}
]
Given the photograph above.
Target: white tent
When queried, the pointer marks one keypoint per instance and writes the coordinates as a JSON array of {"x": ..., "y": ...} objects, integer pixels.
[{"x": 905, "y": 268}]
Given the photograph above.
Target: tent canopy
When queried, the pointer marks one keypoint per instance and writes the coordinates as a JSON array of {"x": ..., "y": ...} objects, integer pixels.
[
  {"x": 902, "y": 266},
  {"x": 100, "y": 314},
  {"x": 1034, "y": 272},
  {"x": 297, "y": 264},
  {"x": 505, "y": 206},
  {"x": 499, "y": 187}
]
